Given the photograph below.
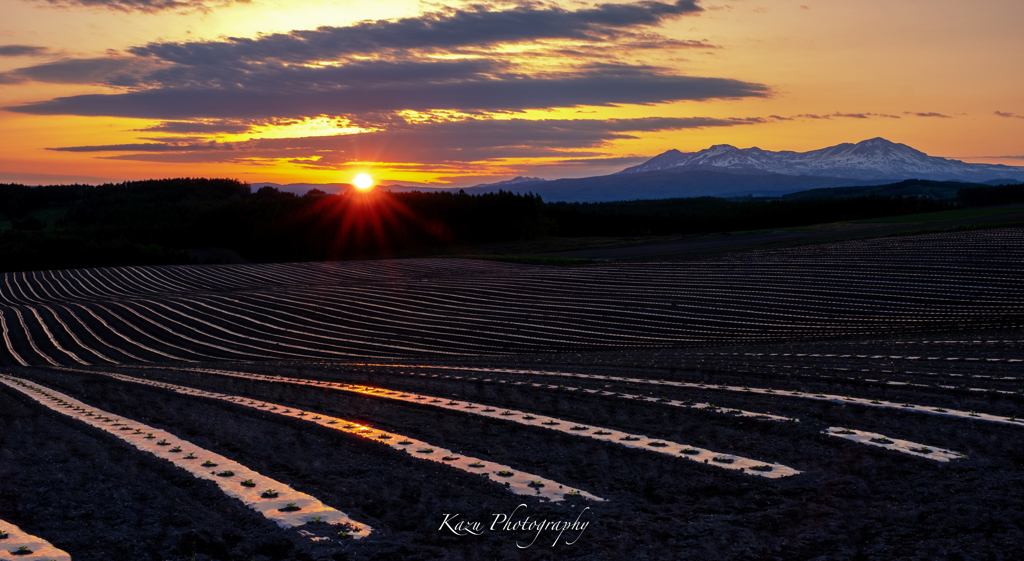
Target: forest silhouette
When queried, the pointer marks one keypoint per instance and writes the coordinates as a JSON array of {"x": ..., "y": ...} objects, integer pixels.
[{"x": 153, "y": 222}]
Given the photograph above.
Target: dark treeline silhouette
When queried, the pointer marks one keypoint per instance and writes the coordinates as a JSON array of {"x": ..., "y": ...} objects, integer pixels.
[
  {"x": 17, "y": 200},
  {"x": 153, "y": 222},
  {"x": 709, "y": 214},
  {"x": 991, "y": 196},
  {"x": 275, "y": 226},
  {"x": 906, "y": 188}
]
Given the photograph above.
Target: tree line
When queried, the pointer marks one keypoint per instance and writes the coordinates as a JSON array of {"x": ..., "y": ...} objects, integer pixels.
[{"x": 153, "y": 222}]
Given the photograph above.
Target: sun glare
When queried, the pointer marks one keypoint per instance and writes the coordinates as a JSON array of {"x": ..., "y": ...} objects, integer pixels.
[{"x": 363, "y": 182}]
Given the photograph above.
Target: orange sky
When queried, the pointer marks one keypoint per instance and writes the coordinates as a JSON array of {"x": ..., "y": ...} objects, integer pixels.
[{"x": 420, "y": 106}]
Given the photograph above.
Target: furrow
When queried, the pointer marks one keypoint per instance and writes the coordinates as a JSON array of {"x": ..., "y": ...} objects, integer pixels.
[
  {"x": 1013, "y": 421},
  {"x": 726, "y": 461},
  {"x": 516, "y": 481},
  {"x": 287, "y": 507}
]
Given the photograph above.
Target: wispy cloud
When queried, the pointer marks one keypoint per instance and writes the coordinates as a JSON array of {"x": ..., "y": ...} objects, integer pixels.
[
  {"x": 148, "y": 6},
  {"x": 22, "y": 50},
  {"x": 198, "y": 128},
  {"x": 470, "y": 140},
  {"x": 418, "y": 90},
  {"x": 434, "y": 90},
  {"x": 839, "y": 115},
  {"x": 917, "y": 114},
  {"x": 325, "y": 71},
  {"x": 1009, "y": 115},
  {"x": 478, "y": 25},
  {"x": 830, "y": 116},
  {"x": 107, "y": 71}
]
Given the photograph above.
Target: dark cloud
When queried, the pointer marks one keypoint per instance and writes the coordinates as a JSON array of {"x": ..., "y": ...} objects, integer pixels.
[
  {"x": 189, "y": 127},
  {"x": 150, "y": 6},
  {"x": 1009, "y": 115},
  {"x": 284, "y": 75},
  {"x": 838, "y": 115},
  {"x": 150, "y": 147},
  {"x": 138, "y": 72},
  {"x": 863, "y": 115},
  {"x": 22, "y": 50},
  {"x": 188, "y": 158},
  {"x": 352, "y": 75},
  {"x": 369, "y": 74},
  {"x": 109, "y": 71},
  {"x": 916, "y": 114},
  {"x": 446, "y": 30},
  {"x": 440, "y": 142},
  {"x": 595, "y": 86}
]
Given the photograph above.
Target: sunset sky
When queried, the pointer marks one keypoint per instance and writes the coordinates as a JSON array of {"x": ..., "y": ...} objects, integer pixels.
[{"x": 464, "y": 93}]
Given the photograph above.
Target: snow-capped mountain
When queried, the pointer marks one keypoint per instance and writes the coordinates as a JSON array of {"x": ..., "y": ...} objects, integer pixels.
[{"x": 872, "y": 159}]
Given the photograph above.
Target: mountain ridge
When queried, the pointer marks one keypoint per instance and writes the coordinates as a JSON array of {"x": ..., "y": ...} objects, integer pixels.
[
  {"x": 872, "y": 159},
  {"x": 726, "y": 171}
]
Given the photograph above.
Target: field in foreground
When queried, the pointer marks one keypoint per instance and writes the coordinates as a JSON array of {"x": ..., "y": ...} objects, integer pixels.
[{"x": 845, "y": 401}]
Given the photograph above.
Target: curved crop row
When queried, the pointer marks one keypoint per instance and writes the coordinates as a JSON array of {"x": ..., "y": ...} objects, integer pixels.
[
  {"x": 445, "y": 308},
  {"x": 974, "y": 415},
  {"x": 275, "y": 500},
  {"x": 727, "y": 461},
  {"x": 904, "y": 446},
  {"x": 16, "y": 544},
  {"x": 517, "y": 481}
]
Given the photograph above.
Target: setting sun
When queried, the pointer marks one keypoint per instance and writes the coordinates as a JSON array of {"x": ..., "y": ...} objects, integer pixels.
[{"x": 363, "y": 182}]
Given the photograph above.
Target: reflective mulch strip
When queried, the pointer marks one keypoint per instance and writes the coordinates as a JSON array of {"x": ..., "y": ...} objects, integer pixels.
[
  {"x": 727, "y": 461},
  {"x": 769, "y": 391},
  {"x": 16, "y": 544},
  {"x": 905, "y": 446},
  {"x": 633, "y": 397},
  {"x": 287, "y": 507},
  {"x": 516, "y": 481}
]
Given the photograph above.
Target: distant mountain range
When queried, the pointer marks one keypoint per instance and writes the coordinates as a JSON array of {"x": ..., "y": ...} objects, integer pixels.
[
  {"x": 727, "y": 171},
  {"x": 873, "y": 159}
]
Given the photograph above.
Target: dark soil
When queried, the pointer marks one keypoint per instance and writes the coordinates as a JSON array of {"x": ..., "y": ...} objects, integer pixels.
[
  {"x": 403, "y": 499},
  {"x": 89, "y": 493},
  {"x": 852, "y": 502}
]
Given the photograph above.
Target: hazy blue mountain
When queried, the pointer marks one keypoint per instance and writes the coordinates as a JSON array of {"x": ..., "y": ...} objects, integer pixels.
[
  {"x": 515, "y": 184},
  {"x": 674, "y": 184}
]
